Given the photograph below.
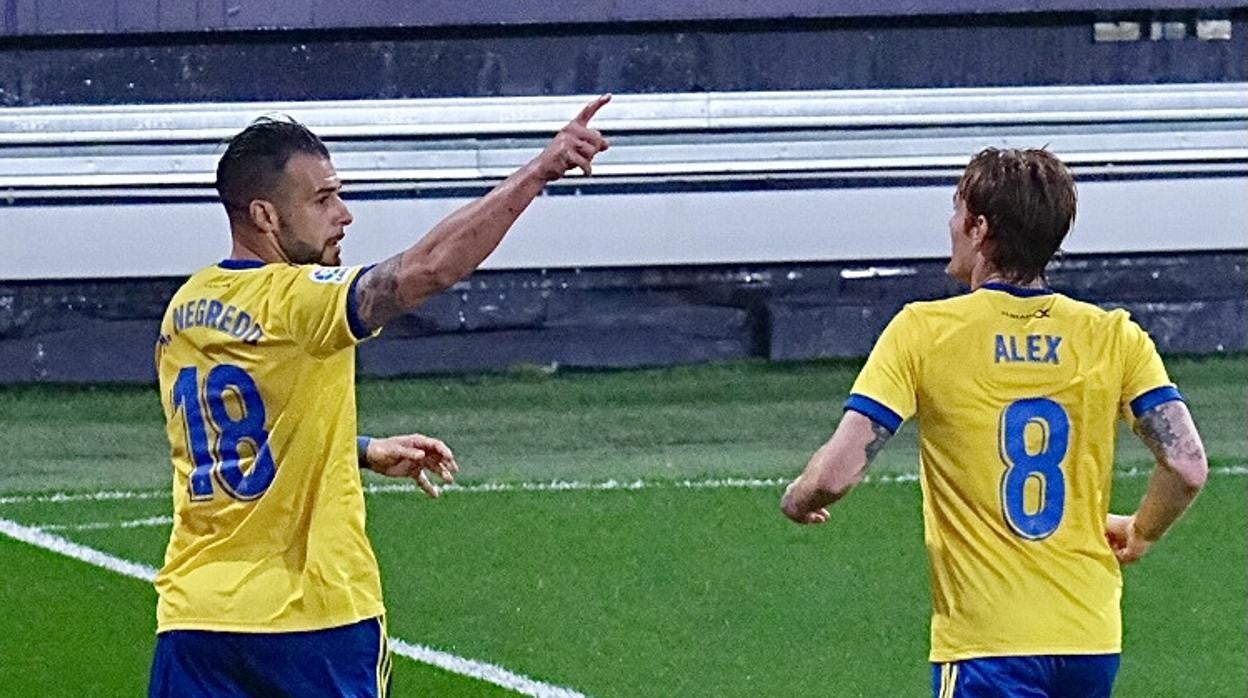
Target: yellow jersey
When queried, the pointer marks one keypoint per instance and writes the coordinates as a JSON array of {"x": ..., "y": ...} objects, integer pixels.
[
  {"x": 257, "y": 378},
  {"x": 1017, "y": 393}
]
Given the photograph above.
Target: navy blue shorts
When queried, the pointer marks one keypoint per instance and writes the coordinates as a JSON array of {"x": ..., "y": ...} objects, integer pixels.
[
  {"x": 352, "y": 660},
  {"x": 1037, "y": 676}
]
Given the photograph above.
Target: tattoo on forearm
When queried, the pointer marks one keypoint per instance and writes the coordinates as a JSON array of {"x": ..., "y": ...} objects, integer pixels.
[
  {"x": 1163, "y": 432},
  {"x": 378, "y": 293},
  {"x": 882, "y": 436}
]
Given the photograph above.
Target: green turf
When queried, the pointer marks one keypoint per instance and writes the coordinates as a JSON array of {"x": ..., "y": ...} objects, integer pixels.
[
  {"x": 1186, "y": 603},
  {"x": 71, "y": 629},
  {"x": 675, "y": 592},
  {"x": 754, "y": 418},
  {"x": 672, "y": 592},
  {"x": 74, "y": 630},
  {"x": 660, "y": 591}
]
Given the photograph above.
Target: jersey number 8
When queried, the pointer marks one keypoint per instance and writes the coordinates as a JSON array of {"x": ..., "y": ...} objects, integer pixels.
[
  {"x": 1044, "y": 464},
  {"x": 230, "y": 431}
]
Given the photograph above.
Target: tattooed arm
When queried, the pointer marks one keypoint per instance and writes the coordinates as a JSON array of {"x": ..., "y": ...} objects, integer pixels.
[
  {"x": 1180, "y": 474},
  {"x": 455, "y": 247},
  {"x": 835, "y": 468}
]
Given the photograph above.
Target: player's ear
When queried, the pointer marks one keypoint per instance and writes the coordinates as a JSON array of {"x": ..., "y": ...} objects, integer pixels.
[
  {"x": 264, "y": 216},
  {"x": 980, "y": 231}
]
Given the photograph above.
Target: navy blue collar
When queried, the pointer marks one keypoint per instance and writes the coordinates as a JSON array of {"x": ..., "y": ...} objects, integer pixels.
[
  {"x": 1016, "y": 290},
  {"x": 236, "y": 264}
]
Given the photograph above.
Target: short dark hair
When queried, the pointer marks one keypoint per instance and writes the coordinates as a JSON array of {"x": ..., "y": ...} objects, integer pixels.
[
  {"x": 253, "y": 161},
  {"x": 1028, "y": 198}
]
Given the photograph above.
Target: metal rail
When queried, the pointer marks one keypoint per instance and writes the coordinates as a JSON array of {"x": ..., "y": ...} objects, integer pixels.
[{"x": 74, "y": 149}]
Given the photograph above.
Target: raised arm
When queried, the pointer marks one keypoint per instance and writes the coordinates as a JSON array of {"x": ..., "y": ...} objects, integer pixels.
[
  {"x": 835, "y": 469},
  {"x": 457, "y": 245},
  {"x": 1181, "y": 470}
]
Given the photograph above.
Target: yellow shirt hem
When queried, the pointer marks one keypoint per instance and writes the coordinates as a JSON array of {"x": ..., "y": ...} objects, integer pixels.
[
  {"x": 1015, "y": 651},
  {"x": 216, "y": 625}
]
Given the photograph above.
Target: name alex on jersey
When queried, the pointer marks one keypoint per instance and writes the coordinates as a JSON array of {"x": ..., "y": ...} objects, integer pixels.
[{"x": 1032, "y": 348}]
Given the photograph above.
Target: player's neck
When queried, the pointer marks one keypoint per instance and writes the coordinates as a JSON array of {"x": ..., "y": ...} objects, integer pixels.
[
  {"x": 241, "y": 249},
  {"x": 985, "y": 274}
]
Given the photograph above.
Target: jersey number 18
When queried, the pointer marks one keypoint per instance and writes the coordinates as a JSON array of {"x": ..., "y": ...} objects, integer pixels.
[{"x": 230, "y": 431}]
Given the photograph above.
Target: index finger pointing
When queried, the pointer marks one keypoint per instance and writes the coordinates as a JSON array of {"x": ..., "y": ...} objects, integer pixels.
[{"x": 592, "y": 108}]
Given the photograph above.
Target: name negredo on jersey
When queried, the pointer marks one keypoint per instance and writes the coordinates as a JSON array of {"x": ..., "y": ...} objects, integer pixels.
[{"x": 224, "y": 317}]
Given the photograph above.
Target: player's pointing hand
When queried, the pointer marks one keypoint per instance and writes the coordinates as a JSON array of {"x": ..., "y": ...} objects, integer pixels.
[
  {"x": 588, "y": 111},
  {"x": 574, "y": 146}
]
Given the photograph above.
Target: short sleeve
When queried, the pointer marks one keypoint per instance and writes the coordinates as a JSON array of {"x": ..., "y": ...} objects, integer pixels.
[
  {"x": 886, "y": 387},
  {"x": 320, "y": 308},
  {"x": 1145, "y": 383}
]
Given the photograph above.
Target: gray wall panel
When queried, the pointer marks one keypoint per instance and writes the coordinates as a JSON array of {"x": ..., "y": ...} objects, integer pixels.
[
  {"x": 215, "y": 13},
  {"x": 75, "y": 16},
  {"x": 252, "y": 14},
  {"x": 180, "y": 13},
  {"x": 138, "y": 15},
  {"x": 25, "y": 15}
]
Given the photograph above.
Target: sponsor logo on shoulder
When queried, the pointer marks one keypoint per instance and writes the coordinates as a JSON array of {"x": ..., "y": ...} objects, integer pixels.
[{"x": 330, "y": 275}]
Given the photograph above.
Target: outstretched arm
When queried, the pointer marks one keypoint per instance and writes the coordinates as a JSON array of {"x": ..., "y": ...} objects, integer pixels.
[
  {"x": 834, "y": 469},
  {"x": 458, "y": 244},
  {"x": 1181, "y": 470}
]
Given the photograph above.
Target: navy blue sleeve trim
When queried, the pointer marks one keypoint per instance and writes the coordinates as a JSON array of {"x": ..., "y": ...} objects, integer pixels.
[
  {"x": 361, "y": 450},
  {"x": 358, "y": 329},
  {"x": 1153, "y": 398},
  {"x": 875, "y": 411}
]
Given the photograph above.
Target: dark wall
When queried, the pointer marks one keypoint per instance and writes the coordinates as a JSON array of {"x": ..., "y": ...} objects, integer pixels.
[
  {"x": 105, "y": 331},
  {"x": 34, "y": 17},
  {"x": 995, "y": 50}
]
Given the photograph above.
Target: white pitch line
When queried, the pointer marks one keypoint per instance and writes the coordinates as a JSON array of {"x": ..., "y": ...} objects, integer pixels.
[
  {"x": 472, "y": 668},
  {"x": 601, "y": 486},
  {"x": 68, "y": 548},
  {"x": 481, "y": 670},
  {"x": 71, "y": 497},
  {"x": 107, "y": 525},
  {"x": 550, "y": 486}
]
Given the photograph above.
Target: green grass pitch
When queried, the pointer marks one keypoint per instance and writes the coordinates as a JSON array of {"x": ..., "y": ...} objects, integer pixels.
[{"x": 664, "y": 590}]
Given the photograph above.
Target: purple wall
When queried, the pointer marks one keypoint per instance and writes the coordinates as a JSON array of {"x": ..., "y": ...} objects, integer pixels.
[{"x": 50, "y": 17}]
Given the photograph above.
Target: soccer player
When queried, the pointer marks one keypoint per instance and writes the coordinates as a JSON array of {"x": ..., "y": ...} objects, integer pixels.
[
  {"x": 1017, "y": 391},
  {"x": 270, "y": 586}
]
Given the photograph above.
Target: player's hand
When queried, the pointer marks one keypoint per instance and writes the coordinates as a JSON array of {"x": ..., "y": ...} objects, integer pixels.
[
  {"x": 1125, "y": 539},
  {"x": 574, "y": 146},
  {"x": 788, "y": 504},
  {"x": 414, "y": 456}
]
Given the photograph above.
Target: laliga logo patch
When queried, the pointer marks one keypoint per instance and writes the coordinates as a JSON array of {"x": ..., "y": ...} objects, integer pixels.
[{"x": 330, "y": 275}]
